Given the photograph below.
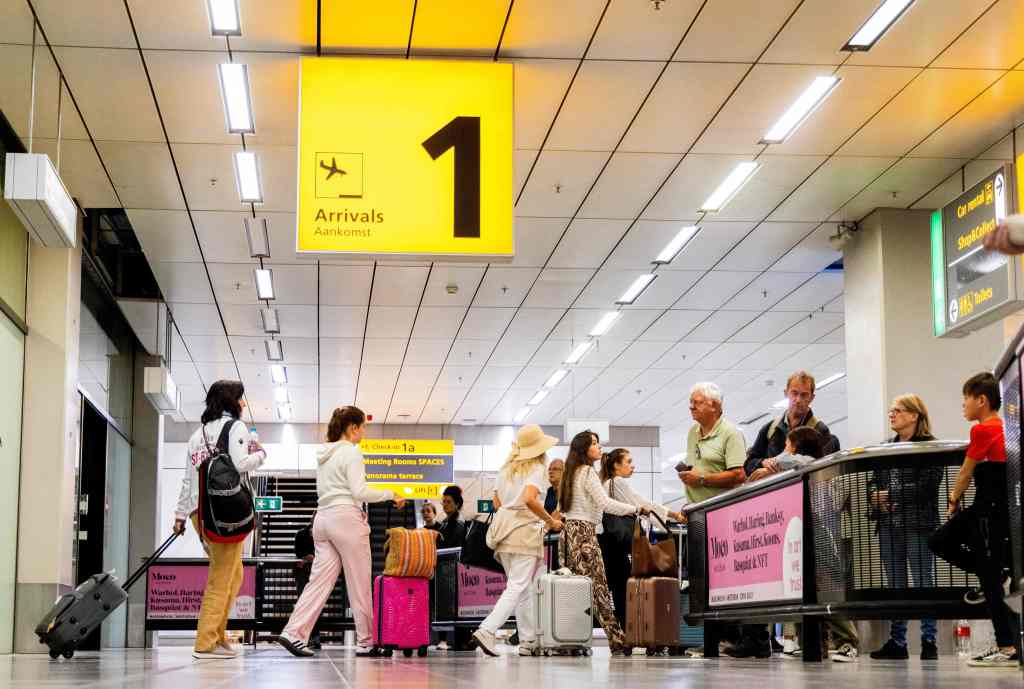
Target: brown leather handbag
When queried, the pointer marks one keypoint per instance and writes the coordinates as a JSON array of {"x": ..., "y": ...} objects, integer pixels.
[{"x": 654, "y": 559}]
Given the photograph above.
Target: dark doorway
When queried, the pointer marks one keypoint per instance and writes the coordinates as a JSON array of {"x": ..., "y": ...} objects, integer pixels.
[{"x": 92, "y": 479}]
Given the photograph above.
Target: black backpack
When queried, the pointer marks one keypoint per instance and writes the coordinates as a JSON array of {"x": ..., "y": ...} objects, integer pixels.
[{"x": 226, "y": 511}]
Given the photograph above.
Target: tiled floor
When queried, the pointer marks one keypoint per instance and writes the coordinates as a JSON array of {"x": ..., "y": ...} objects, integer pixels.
[{"x": 271, "y": 668}]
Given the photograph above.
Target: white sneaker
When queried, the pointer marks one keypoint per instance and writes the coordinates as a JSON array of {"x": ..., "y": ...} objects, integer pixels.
[
  {"x": 845, "y": 654},
  {"x": 229, "y": 647},
  {"x": 486, "y": 641},
  {"x": 529, "y": 650},
  {"x": 215, "y": 653},
  {"x": 995, "y": 658},
  {"x": 791, "y": 649}
]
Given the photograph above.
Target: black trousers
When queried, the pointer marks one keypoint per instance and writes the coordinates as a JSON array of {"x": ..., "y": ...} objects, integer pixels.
[
  {"x": 617, "y": 569},
  {"x": 975, "y": 540}
]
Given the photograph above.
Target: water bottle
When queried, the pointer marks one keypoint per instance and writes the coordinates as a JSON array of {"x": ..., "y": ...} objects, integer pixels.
[
  {"x": 963, "y": 638},
  {"x": 254, "y": 440}
]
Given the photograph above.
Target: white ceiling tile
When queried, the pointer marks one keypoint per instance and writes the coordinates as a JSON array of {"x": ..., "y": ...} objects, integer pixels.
[
  {"x": 427, "y": 352},
  {"x": 196, "y": 319},
  {"x": 765, "y": 245},
  {"x": 837, "y": 336},
  {"x": 213, "y": 349},
  {"x": 811, "y": 328},
  {"x": 578, "y": 323},
  {"x": 767, "y": 327},
  {"x": 340, "y": 352},
  {"x": 838, "y": 181},
  {"x": 165, "y": 235},
  {"x": 297, "y": 350},
  {"x": 276, "y": 27},
  {"x": 453, "y": 376},
  {"x": 587, "y": 243},
  {"x": 188, "y": 90},
  {"x": 421, "y": 377},
  {"x": 438, "y": 322},
  {"x": 673, "y": 325},
  {"x": 558, "y": 183},
  {"x": 533, "y": 377},
  {"x": 522, "y": 165},
  {"x": 720, "y": 326},
  {"x": 770, "y": 186},
  {"x": 183, "y": 282},
  {"x": 223, "y": 236},
  {"x": 258, "y": 375},
  {"x": 468, "y": 351},
  {"x": 606, "y": 287},
  {"x": 901, "y": 185},
  {"x": 339, "y": 321},
  {"x": 143, "y": 174},
  {"x": 734, "y": 32},
  {"x": 390, "y": 321},
  {"x": 497, "y": 377},
  {"x": 726, "y": 355},
  {"x": 539, "y": 87},
  {"x": 398, "y": 285},
  {"x": 511, "y": 352},
  {"x": 814, "y": 253},
  {"x": 538, "y": 28},
  {"x": 689, "y": 186},
  {"x": 606, "y": 351},
  {"x": 212, "y": 372},
  {"x": 766, "y": 291},
  {"x": 505, "y": 287},
  {"x": 818, "y": 31},
  {"x": 464, "y": 278},
  {"x": 486, "y": 324},
  {"x": 924, "y": 105},
  {"x": 628, "y": 182},
  {"x": 714, "y": 289},
  {"x": 642, "y": 353},
  {"x": 666, "y": 290},
  {"x": 536, "y": 239},
  {"x": 768, "y": 356},
  {"x": 591, "y": 121},
  {"x": 819, "y": 291},
  {"x": 557, "y": 288},
  {"x": 642, "y": 32},
  {"x": 235, "y": 284},
  {"x": 344, "y": 285},
  {"x": 339, "y": 378},
  {"x": 533, "y": 324}
]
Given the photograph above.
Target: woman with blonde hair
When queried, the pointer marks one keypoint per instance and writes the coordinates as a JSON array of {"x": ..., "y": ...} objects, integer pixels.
[{"x": 517, "y": 537}]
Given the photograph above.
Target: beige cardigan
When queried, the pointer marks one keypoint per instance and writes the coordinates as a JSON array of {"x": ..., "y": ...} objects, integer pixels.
[{"x": 516, "y": 531}]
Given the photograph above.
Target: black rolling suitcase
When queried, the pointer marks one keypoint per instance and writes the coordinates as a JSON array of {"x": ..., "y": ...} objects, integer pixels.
[{"x": 78, "y": 614}]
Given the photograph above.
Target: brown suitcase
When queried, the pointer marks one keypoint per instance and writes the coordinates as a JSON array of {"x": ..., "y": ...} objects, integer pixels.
[{"x": 652, "y": 612}]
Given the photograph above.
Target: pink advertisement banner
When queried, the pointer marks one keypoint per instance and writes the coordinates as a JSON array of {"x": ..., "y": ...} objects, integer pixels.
[
  {"x": 755, "y": 549},
  {"x": 175, "y": 592},
  {"x": 479, "y": 590}
]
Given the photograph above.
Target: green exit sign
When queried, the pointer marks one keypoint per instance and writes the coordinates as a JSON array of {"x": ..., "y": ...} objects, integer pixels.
[
  {"x": 269, "y": 503},
  {"x": 484, "y": 506}
]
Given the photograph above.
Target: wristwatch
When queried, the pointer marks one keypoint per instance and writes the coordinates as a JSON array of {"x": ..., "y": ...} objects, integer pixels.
[{"x": 702, "y": 482}]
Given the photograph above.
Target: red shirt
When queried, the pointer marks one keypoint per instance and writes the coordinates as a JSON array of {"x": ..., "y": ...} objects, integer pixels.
[{"x": 988, "y": 449}]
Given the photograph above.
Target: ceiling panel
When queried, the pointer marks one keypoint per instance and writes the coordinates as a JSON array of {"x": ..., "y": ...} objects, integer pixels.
[
  {"x": 438, "y": 322},
  {"x": 643, "y": 353},
  {"x": 673, "y": 325},
  {"x": 215, "y": 349},
  {"x": 814, "y": 253},
  {"x": 626, "y": 184},
  {"x": 335, "y": 321},
  {"x": 726, "y": 355},
  {"x": 606, "y": 351},
  {"x": 578, "y": 322},
  {"x": 535, "y": 240},
  {"x": 736, "y": 31},
  {"x": 818, "y": 31},
  {"x": 344, "y": 285},
  {"x": 901, "y": 185},
  {"x": 721, "y": 325},
  {"x": 533, "y": 324},
  {"x": 666, "y": 289},
  {"x": 766, "y": 291},
  {"x": 183, "y": 282},
  {"x": 470, "y": 351},
  {"x": 398, "y": 285},
  {"x": 197, "y": 319},
  {"x": 924, "y": 105},
  {"x": 838, "y": 181},
  {"x": 714, "y": 289},
  {"x": 339, "y": 352},
  {"x": 486, "y": 324},
  {"x": 390, "y": 321},
  {"x": 165, "y": 235},
  {"x": 558, "y": 183},
  {"x": 557, "y": 287},
  {"x": 497, "y": 377},
  {"x": 681, "y": 105},
  {"x": 505, "y": 287},
  {"x": 235, "y": 283},
  {"x": 992, "y": 42},
  {"x": 258, "y": 375},
  {"x": 296, "y": 350},
  {"x": 765, "y": 245},
  {"x": 464, "y": 279},
  {"x": 684, "y": 355},
  {"x": 766, "y": 327},
  {"x": 427, "y": 352},
  {"x": 475, "y": 32},
  {"x": 539, "y": 87},
  {"x": 223, "y": 236},
  {"x": 589, "y": 119},
  {"x": 143, "y": 174},
  {"x": 271, "y": 27},
  {"x": 347, "y": 27},
  {"x": 634, "y": 31},
  {"x": 820, "y": 290},
  {"x": 587, "y": 243},
  {"x": 540, "y": 28},
  {"x": 511, "y": 352},
  {"x": 768, "y": 356},
  {"x": 770, "y": 186},
  {"x": 811, "y": 328},
  {"x": 689, "y": 186}
]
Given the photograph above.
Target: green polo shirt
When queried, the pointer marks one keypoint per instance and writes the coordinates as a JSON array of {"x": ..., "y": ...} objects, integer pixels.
[{"x": 722, "y": 449}]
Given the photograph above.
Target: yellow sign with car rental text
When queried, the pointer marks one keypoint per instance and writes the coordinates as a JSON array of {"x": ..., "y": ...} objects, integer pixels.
[
  {"x": 413, "y": 469},
  {"x": 405, "y": 157}
]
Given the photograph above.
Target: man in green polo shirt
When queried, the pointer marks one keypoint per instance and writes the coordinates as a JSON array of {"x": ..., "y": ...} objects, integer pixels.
[{"x": 715, "y": 449}]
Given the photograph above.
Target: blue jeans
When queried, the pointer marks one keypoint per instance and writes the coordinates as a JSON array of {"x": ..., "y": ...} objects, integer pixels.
[{"x": 900, "y": 546}]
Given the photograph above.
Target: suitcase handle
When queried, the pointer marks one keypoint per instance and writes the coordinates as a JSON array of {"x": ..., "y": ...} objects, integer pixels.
[{"x": 137, "y": 574}]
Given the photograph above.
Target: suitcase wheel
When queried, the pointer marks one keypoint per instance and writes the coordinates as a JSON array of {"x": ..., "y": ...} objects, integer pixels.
[
  {"x": 422, "y": 652},
  {"x": 68, "y": 653},
  {"x": 407, "y": 652},
  {"x": 387, "y": 652},
  {"x": 54, "y": 653}
]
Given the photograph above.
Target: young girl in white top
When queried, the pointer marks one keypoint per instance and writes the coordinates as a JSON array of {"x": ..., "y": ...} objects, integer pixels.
[
  {"x": 616, "y": 468},
  {"x": 341, "y": 535},
  {"x": 583, "y": 501},
  {"x": 517, "y": 537}
]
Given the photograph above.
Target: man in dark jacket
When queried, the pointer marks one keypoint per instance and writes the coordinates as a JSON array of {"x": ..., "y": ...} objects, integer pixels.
[{"x": 771, "y": 439}]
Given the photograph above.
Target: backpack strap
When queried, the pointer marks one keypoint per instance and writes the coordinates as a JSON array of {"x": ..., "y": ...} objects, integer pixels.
[{"x": 225, "y": 433}]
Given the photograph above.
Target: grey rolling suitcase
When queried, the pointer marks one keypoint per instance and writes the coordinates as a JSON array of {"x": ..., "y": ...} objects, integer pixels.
[
  {"x": 78, "y": 614},
  {"x": 564, "y": 613}
]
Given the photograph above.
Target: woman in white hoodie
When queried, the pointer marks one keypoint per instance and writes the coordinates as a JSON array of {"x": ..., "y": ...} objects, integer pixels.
[{"x": 341, "y": 535}]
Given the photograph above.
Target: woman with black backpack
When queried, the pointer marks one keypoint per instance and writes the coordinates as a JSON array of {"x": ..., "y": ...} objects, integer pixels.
[{"x": 221, "y": 434}]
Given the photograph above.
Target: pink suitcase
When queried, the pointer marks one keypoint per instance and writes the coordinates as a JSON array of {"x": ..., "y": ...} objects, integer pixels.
[{"x": 401, "y": 615}]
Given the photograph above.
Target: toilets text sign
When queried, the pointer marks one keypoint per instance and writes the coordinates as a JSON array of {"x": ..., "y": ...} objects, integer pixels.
[{"x": 755, "y": 549}]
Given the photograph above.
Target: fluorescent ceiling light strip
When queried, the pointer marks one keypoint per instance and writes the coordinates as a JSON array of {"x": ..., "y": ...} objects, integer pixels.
[
  {"x": 521, "y": 415},
  {"x": 257, "y": 236},
  {"x": 730, "y": 186},
  {"x": 284, "y": 412},
  {"x": 271, "y": 324},
  {"x": 813, "y": 96},
  {"x": 636, "y": 289},
  {"x": 605, "y": 324},
  {"x": 538, "y": 398},
  {"x": 248, "y": 177},
  {"x": 278, "y": 374},
  {"x": 281, "y": 395},
  {"x": 224, "y": 19},
  {"x": 877, "y": 24},
  {"x": 677, "y": 244},
  {"x": 234, "y": 87},
  {"x": 831, "y": 379},
  {"x": 579, "y": 352},
  {"x": 275, "y": 351},
  {"x": 264, "y": 282},
  {"x": 556, "y": 378}
]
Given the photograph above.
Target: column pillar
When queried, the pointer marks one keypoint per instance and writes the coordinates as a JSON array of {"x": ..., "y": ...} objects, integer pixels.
[{"x": 50, "y": 439}]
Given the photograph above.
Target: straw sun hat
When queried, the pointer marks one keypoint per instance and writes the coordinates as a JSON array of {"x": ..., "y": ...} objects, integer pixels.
[{"x": 532, "y": 442}]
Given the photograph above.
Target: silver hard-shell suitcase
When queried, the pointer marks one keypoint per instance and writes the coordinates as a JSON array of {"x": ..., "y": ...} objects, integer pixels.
[{"x": 564, "y": 613}]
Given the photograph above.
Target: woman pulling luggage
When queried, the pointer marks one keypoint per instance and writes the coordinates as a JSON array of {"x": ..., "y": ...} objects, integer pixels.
[
  {"x": 583, "y": 502},
  {"x": 616, "y": 468},
  {"x": 517, "y": 537},
  {"x": 341, "y": 535}
]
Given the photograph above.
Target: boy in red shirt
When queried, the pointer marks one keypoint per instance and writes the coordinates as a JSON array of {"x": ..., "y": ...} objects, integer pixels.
[{"x": 974, "y": 538}]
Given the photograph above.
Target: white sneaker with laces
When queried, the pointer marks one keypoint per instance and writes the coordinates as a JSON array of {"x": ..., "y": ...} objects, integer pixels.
[
  {"x": 791, "y": 649},
  {"x": 229, "y": 647},
  {"x": 215, "y": 653},
  {"x": 845, "y": 654},
  {"x": 995, "y": 658},
  {"x": 485, "y": 639}
]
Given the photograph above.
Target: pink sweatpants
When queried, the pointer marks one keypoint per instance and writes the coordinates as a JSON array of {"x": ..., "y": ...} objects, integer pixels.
[{"x": 342, "y": 540}]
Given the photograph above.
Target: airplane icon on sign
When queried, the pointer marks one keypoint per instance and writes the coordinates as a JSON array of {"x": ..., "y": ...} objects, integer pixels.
[{"x": 333, "y": 168}]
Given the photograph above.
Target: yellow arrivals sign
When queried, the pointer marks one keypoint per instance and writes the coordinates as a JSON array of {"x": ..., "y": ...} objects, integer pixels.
[
  {"x": 405, "y": 157},
  {"x": 418, "y": 469}
]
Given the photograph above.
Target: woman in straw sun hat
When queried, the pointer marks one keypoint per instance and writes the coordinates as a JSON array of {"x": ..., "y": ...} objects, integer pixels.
[{"x": 517, "y": 537}]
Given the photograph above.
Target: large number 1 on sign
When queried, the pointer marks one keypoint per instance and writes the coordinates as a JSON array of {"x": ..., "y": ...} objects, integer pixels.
[{"x": 462, "y": 134}]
